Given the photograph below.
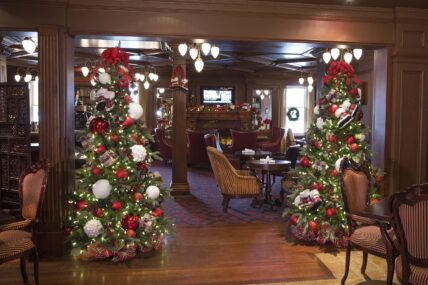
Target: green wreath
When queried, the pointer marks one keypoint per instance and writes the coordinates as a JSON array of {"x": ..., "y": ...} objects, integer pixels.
[{"x": 293, "y": 114}]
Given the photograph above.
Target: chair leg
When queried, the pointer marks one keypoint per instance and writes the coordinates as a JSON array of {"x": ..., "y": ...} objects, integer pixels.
[
  {"x": 23, "y": 265},
  {"x": 225, "y": 203},
  {"x": 390, "y": 273},
  {"x": 36, "y": 266},
  {"x": 348, "y": 261},
  {"x": 364, "y": 265}
]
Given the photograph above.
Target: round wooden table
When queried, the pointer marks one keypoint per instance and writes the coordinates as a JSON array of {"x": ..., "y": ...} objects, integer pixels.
[
  {"x": 268, "y": 168},
  {"x": 244, "y": 157}
]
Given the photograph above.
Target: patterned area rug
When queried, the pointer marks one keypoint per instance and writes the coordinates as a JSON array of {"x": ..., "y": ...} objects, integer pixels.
[{"x": 203, "y": 206}]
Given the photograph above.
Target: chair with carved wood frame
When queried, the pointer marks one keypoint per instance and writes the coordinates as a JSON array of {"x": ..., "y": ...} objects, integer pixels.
[
  {"x": 371, "y": 237},
  {"x": 15, "y": 241},
  {"x": 410, "y": 220},
  {"x": 231, "y": 182}
]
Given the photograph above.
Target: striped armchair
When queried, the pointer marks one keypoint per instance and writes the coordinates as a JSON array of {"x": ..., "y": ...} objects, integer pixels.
[
  {"x": 369, "y": 237},
  {"x": 410, "y": 220},
  {"x": 15, "y": 242},
  {"x": 232, "y": 183}
]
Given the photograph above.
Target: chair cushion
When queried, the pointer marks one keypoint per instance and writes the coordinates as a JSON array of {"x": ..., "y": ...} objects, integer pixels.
[
  {"x": 13, "y": 243},
  {"x": 369, "y": 237},
  {"x": 418, "y": 275}
]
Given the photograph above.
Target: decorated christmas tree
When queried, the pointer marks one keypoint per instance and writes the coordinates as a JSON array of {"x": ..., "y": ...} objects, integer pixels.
[
  {"x": 316, "y": 208},
  {"x": 115, "y": 211}
]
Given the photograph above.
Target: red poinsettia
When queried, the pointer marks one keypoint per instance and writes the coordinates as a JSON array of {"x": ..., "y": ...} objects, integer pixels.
[
  {"x": 342, "y": 67},
  {"x": 326, "y": 79},
  {"x": 115, "y": 55}
]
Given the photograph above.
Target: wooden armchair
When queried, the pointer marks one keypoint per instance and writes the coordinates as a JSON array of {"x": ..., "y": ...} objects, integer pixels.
[
  {"x": 410, "y": 220},
  {"x": 232, "y": 183},
  {"x": 15, "y": 242},
  {"x": 370, "y": 237}
]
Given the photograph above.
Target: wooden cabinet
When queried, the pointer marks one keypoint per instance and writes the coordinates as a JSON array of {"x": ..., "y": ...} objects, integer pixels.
[{"x": 15, "y": 151}]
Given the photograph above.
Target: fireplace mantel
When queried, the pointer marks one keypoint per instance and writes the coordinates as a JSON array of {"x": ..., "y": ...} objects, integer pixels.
[{"x": 205, "y": 120}]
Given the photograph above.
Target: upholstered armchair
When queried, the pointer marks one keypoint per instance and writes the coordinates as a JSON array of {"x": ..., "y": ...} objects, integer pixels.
[
  {"x": 197, "y": 148},
  {"x": 233, "y": 183},
  {"x": 242, "y": 140},
  {"x": 274, "y": 145},
  {"x": 410, "y": 220},
  {"x": 369, "y": 237},
  {"x": 15, "y": 240},
  {"x": 165, "y": 146}
]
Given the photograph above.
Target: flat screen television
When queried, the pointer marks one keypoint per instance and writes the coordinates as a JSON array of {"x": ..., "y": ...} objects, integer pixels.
[{"x": 217, "y": 95}]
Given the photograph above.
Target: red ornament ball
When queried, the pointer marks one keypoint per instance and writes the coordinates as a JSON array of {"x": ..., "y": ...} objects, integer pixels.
[
  {"x": 316, "y": 144},
  {"x": 332, "y": 108},
  {"x": 322, "y": 101},
  {"x": 332, "y": 138},
  {"x": 67, "y": 231},
  {"x": 128, "y": 122},
  {"x": 333, "y": 173},
  {"x": 98, "y": 212},
  {"x": 131, "y": 222},
  {"x": 305, "y": 162},
  {"x": 100, "y": 149},
  {"x": 330, "y": 212},
  {"x": 317, "y": 186},
  {"x": 313, "y": 226},
  {"x": 350, "y": 140},
  {"x": 138, "y": 196},
  {"x": 96, "y": 171},
  {"x": 131, "y": 233},
  {"x": 121, "y": 173},
  {"x": 354, "y": 147},
  {"x": 158, "y": 212},
  {"x": 143, "y": 167},
  {"x": 81, "y": 205},
  {"x": 98, "y": 126},
  {"x": 294, "y": 220},
  {"x": 116, "y": 205},
  {"x": 115, "y": 138}
]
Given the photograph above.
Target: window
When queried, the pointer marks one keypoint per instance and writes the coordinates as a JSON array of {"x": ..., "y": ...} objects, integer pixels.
[
  {"x": 33, "y": 87},
  {"x": 295, "y": 97}
]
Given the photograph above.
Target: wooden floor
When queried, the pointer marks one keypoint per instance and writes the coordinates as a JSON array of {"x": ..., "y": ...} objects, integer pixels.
[{"x": 223, "y": 254}]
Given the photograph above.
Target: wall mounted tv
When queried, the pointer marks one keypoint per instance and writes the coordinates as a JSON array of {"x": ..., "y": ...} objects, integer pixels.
[{"x": 217, "y": 95}]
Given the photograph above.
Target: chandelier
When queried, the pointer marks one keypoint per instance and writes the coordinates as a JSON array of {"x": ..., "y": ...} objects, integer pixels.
[
  {"x": 197, "y": 50},
  {"x": 346, "y": 54}
]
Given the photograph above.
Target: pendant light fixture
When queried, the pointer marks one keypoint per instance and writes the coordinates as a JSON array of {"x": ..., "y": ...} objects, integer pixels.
[
  {"x": 206, "y": 47},
  {"x": 326, "y": 56},
  {"x": 258, "y": 92},
  {"x": 310, "y": 88},
  {"x": 182, "y": 49},
  {"x": 347, "y": 57},
  {"x": 85, "y": 70},
  {"x": 215, "y": 51},
  {"x": 142, "y": 77},
  {"x": 335, "y": 52},
  {"x": 28, "y": 76},
  {"x": 17, "y": 77},
  {"x": 301, "y": 80},
  {"x": 357, "y": 53},
  {"x": 29, "y": 45},
  {"x": 310, "y": 80},
  {"x": 193, "y": 52},
  {"x": 146, "y": 84},
  {"x": 137, "y": 76},
  {"x": 262, "y": 97},
  {"x": 266, "y": 92},
  {"x": 199, "y": 64}
]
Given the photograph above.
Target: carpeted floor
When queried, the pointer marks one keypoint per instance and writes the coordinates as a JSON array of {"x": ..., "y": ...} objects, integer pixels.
[{"x": 203, "y": 206}]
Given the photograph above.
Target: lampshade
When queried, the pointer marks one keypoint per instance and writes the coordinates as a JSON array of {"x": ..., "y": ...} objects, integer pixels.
[
  {"x": 258, "y": 92},
  {"x": 29, "y": 45},
  {"x": 101, "y": 70},
  {"x": 326, "y": 56},
  {"x": 93, "y": 83},
  {"x": 182, "y": 49},
  {"x": 28, "y": 77},
  {"x": 161, "y": 90},
  {"x": 85, "y": 70},
  {"x": 301, "y": 80},
  {"x": 146, "y": 84},
  {"x": 199, "y": 64},
  {"x": 310, "y": 88},
  {"x": 347, "y": 57},
  {"x": 358, "y": 53},
  {"x": 17, "y": 77},
  {"x": 215, "y": 51},
  {"x": 335, "y": 52},
  {"x": 142, "y": 77},
  {"x": 262, "y": 97},
  {"x": 193, "y": 52},
  {"x": 155, "y": 77},
  {"x": 266, "y": 92},
  {"x": 206, "y": 47},
  {"x": 159, "y": 113},
  {"x": 37, "y": 78},
  {"x": 137, "y": 76},
  {"x": 151, "y": 76},
  {"x": 310, "y": 80}
]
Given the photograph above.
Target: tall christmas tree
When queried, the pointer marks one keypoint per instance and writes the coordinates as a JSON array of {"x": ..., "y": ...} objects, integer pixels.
[
  {"x": 115, "y": 210},
  {"x": 316, "y": 208}
]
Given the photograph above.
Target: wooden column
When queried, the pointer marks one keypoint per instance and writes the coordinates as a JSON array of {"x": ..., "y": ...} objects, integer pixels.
[
  {"x": 56, "y": 135},
  {"x": 179, "y": 183}
]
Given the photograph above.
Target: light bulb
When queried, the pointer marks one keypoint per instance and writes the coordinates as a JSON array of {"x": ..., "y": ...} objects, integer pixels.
[
  {"x": 266, "y": 92},
  {"x": 310, "y": 88},
  {"x": 310, "y": 80},
  {"x": 28, "y": 77},
  {"x": 262, "y": 97},
  {"x": 348, "y": 57},
  {"x": 137, "y": 76},
  {"x": 258, "y": 92},
  {"x": 159, "y": 113},
  {"x": 301, "y": 80},
  {"x": 326, "y": 56},
  {"x": 161, "y": 90},
  {"x": 85, "y": 70},
  {"x": 17, "y": 77},
  {"x": 358, "y": 53},
  {"x": 146, "y": 84},
  {"x": 335, "y": 52},
  {"x": 93, "y": 83},
  {"x": 29, "y": 45},
  {"x": 206, "y": 47},
  {"x": 142, "y": 77},
  {"x": 193, "y": 52},
  {"x": 215, "y": 51},
  {"x": 155, "y": 77},
  {"x": 182, "y": 49},
  {"x": 199, "y": 64}
]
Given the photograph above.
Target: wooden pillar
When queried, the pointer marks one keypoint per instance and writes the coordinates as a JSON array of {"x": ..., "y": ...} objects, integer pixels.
[{"x": 56, "y": 135}]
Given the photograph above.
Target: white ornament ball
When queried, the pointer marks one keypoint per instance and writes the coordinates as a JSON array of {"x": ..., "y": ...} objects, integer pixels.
[
  {"x": 153, "y": 192},
  {"x": 93, "y": 228},
  {"x": 320, "y": 123},
  {"x": 104, "y": 78},
  {"x": 101, "y": 188},
  {"x": 135, "y": 110},
  {"x": 317, "y": 110},
  {"x": 139, "y": 152},
  {"x": 105, "y": 93},
  {"x": 337, "y": 165}
]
